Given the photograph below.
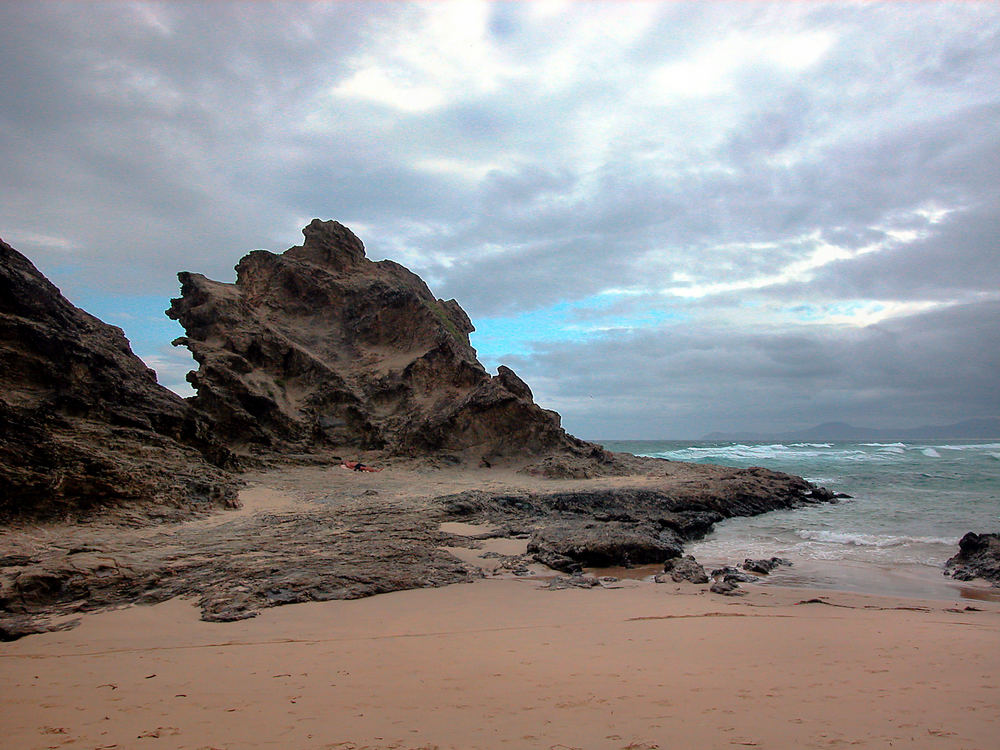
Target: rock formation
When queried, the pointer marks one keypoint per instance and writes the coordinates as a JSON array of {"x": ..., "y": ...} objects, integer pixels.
[
  {"x": 625, "y": 526},
  {"x": 83, "y": 423},
  {"x": 978, "y": 557},
  {"x": 683, "y": 569},
  {"x": 319, "y": 347}
]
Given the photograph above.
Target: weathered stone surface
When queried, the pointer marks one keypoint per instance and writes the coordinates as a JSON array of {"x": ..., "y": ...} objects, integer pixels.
[
  {"x": 764, "y": 566},
  {"x": 978, "y": 557},
  {"x": 625, "y": 525},
  {"x": 726, "y": 588},
  {"x": 729, "y": 574},
  {"x": 602, "y": 545},
  {"x": 685, "y": 569},
  {"x": 234, "y": 567},
  {"x": 83, "y": 423},
  {"x": 320, "y": 347},
  {"x": 326, "y": 533},
  {"x": 575, "y": 581}
]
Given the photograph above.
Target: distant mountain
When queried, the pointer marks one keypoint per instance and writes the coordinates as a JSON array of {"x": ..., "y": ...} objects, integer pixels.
[{"x": 983, "y": 428}]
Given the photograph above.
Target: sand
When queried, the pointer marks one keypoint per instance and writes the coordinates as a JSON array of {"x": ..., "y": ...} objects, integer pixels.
[{"x": 507, "y": 663}]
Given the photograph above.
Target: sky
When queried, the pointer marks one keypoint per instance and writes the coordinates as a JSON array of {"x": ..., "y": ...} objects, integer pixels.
[{"x": 668, "y": 218}]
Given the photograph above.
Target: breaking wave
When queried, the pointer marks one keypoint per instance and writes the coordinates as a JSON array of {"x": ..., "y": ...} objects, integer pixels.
[{"x": 870, "y": 540}]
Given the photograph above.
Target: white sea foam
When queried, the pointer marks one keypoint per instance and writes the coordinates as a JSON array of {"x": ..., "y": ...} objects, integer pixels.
[
  {"x": 870, "y": 540},
  {"x": 970, "y": 447},
  {"x": 891, "y": 449},
  {"x": 931, "y": 453},
  {"x": 811, "y": 445},
  {"x": 884, "y": 445}
]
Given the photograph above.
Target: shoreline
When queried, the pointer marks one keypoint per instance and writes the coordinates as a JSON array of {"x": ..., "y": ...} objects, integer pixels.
[{"x": 509, "y": 663}]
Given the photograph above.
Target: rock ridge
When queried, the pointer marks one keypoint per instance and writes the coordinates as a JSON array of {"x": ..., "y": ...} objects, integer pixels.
[
  {"x": 83, "y": 423},
  {"x": 978, "y": 557},
  {"x": 321, "y": 348}
]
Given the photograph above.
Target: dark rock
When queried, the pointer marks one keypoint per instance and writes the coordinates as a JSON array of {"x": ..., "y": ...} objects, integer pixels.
[
  {"x": 556, "y": 561},
  {"x": 575, "y": 581},
  {"x": 321, "y": 347},
  {"x": 729, "y": 574},
  {"x": 726, "y": 588},
  {"x": 685, "y": 569},
  {"x": 823, "y": 494},
  {"x": 764, "y": 566},
  {"x": 84, "y": 424},
  {"x": 978, "y": 557},
  {"x": 13, "y": 627},
  {"x": 690, "y": 524},
  {"x": 603, "y": 545}
]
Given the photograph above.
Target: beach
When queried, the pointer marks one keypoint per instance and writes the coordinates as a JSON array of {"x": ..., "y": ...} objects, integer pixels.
[
  {"x": 501, "y": 660},
  {"x": 509, "y": 663}
]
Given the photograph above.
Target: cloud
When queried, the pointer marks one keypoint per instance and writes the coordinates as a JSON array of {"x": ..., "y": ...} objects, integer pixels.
[
  {"x": 583, "y": 177},
  {"x": 684, "y": 381}
]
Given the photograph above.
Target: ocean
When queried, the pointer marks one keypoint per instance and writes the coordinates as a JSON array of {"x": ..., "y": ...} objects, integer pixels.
[{"x": 911, "y": 503}]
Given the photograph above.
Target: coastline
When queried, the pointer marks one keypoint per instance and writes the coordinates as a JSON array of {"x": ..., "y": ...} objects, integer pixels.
[
  {"x": 500, "y": 661},
  {"x": 508, "y": 663}
]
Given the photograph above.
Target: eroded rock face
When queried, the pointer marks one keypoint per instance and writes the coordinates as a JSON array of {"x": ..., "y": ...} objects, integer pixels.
[
  {"x": 83, "y": 422},
  {"x": 321, "y": 347},
  {"x": 978, "y": 557}
]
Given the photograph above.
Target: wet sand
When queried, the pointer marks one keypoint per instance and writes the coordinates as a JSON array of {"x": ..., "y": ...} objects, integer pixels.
[{"x": 508, "y": 663}]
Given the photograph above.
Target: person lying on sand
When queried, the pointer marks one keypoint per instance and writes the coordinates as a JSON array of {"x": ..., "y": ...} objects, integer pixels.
[{"x": 358, "y": 466}]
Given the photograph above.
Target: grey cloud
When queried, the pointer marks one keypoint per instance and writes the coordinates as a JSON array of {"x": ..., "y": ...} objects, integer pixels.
[
  {"x": 154, "y": 150},
  {"x": 957, "y": 258},
  {"x": 684, "y": 381}
]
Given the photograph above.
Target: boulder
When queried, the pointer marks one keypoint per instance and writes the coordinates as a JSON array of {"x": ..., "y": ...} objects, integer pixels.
[
  {"x": 602, "y": 545},
  {"x": 726, "y": 588},
  {"x": 764, "y": 566},
  {"x": 685, "y": 569},
  {"x": 978, "y": 557},
  {"x": 730, "y": 574}
]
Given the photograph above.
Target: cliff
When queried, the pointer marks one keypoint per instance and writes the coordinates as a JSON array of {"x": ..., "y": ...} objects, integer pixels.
[
  {"x": 319, "y": 347},
  {"x": 83, "y": 422}
]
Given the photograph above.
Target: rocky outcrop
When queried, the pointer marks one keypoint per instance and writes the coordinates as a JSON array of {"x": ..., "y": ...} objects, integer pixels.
[
  {"x": 765, "y": 565},
  {"x": 978, "y": 557},
  {"x": 683, "y": 569},
  {"x": 319, "y": 347},
  {"x": 624, "y": 526},
  {"x": 83, "y": 422},
  {"x": 313, "y": 533},
  {"x": 233, "y": 568}
]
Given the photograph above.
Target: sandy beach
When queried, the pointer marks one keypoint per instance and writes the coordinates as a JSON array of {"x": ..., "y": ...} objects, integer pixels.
[{"x": 509, "y": 663}]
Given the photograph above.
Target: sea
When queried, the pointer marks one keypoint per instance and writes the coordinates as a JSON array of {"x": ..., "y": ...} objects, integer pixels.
[{"x": 910, "y": 504}]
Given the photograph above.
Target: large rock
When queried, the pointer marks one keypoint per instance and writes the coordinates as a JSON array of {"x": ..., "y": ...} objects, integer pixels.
[
  {"x": 83, "y": 422},
  {"x": 684, "y": 569},
  {"x": 602, "y": 545},
  {"x": 978, "y": 557},
  {"x": 319, "y": 347},
  {"x": 626, "y": 525}
]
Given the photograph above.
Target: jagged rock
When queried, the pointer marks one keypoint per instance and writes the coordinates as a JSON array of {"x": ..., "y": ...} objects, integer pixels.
[
  {"x": 764, "y": 566},
  {"x": 978, "y": 557},
  {"x": 685, "y": 569},
  {"x": 726, "y": 588},
  {"x": 575, "y": 581},
  {"x": 628, "y": 525},
  {"x": 321, "y": 347},
  {"x": 603, "y": 545},
  {"x": 729, "y": 574},
  {"x": 83, "y": 422}
]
